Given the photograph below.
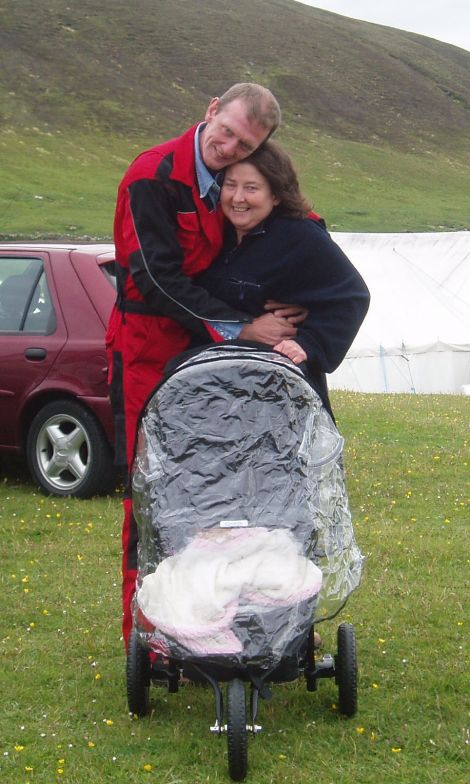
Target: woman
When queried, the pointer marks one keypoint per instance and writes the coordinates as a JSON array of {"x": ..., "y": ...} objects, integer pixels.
[{"x": 276, "y": 249}]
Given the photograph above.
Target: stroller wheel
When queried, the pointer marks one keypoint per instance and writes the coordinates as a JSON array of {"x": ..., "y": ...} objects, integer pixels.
[
  {"x": 346, "y": 669},
  {"x": 236, "y": 730},
  {"x": 138, "y": 676}
]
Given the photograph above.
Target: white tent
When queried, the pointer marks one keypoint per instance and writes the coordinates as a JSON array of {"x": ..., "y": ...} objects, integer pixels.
[{"x": 416, "y": 335}]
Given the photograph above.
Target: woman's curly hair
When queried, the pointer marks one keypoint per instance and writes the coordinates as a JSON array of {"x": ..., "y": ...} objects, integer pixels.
[{"x": 276, "y": 166}]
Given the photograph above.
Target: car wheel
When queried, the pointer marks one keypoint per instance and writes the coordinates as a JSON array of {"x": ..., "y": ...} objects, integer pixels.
[{"x": 67, "y": 451}]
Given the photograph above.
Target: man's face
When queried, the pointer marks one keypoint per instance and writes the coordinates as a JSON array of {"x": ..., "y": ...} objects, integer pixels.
[{"x": 229, "y": 136}]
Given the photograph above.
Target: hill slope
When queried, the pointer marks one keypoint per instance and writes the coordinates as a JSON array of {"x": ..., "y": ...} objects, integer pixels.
[{"x": 354, "y": 95}]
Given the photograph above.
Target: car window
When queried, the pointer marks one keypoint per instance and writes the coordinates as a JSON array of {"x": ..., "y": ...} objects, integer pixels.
[
  {"x": 25, "y": 301},
  {"x": 109, "y": 270}
]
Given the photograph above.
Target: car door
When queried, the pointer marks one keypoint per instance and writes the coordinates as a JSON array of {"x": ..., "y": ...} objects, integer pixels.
[{"x": 32, "y": 333}]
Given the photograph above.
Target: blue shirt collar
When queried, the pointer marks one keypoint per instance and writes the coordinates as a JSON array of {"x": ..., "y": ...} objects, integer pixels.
[{"x": 207, "y": 182}]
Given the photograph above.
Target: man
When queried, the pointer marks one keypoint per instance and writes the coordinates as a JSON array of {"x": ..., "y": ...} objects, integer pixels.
[{"x": 167, "y": 229}]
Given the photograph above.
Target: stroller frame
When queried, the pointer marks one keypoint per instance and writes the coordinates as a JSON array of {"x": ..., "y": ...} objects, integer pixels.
[
  {"x": 141, "y": 674},
  {"x": 144, "y": 668}
]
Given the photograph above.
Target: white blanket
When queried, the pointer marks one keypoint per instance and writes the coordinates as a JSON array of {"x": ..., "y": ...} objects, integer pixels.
[{"x": 193, "y": 596}]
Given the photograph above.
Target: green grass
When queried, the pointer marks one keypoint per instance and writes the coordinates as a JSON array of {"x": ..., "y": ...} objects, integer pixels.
[
  {"x": 72, "y": 181},
  {"x": 62, "y": 675},
  {"x": 71, "y": 185},
  {"x": 376, "y": 118},
  {"x": 359, "y": 187}
]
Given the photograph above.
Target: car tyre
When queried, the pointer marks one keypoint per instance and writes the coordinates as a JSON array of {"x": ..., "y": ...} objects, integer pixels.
[{"x": 67, "y": 451}]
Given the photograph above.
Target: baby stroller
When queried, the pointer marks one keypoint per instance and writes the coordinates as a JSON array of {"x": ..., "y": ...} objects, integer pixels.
[{"x": 245, "y": 537}]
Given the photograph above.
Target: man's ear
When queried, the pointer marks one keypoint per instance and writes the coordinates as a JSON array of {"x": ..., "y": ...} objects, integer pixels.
[{"x": 212, "y": 109}]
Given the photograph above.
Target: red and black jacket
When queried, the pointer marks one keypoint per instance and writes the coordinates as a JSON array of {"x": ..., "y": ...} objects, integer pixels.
[{"x": 164, "y": 235}]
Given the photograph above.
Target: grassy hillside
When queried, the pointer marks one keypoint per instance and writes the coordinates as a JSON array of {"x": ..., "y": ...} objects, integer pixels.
[{"x": 376, "y": 119}]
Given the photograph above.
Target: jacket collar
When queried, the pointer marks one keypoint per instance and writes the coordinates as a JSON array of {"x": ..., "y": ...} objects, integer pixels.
[
  {"x": 260, "y": 228},
  {"x": 184, "y": 163}
]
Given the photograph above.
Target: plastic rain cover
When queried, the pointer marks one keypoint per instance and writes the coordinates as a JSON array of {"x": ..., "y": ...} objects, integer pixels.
[{"x": 245, "y": 534}]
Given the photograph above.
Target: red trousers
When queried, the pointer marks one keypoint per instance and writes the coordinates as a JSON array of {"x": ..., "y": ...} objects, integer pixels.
[{"x": 138, "y": 349}]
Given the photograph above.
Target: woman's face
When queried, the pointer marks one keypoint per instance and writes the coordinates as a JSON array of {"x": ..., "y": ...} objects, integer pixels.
[{"x": 246, "y": 197}]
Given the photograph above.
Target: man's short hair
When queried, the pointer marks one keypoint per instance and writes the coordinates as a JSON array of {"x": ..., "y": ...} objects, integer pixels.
[{"x": 262, "y": 106}]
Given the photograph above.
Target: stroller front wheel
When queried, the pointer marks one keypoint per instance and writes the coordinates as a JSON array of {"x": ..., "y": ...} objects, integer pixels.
[
  {"x": 138, "y": 676},
  {"x": 236, "y": 730},
  {"x": 346, "y": 669}
]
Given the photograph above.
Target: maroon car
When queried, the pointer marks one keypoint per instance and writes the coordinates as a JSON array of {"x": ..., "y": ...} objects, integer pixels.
[{"x": 55, "y": 301}]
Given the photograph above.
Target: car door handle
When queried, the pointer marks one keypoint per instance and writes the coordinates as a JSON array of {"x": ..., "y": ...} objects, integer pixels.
[{"x": 35, "y": 354}]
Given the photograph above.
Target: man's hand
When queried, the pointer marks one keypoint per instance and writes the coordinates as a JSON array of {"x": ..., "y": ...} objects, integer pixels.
[
  {"x": 268, "y": 329},
  {"x": 292, "y": 350},
  {"x": 295, "y": 314}
]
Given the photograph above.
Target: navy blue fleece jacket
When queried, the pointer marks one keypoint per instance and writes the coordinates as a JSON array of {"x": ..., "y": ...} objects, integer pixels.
[{"x": 295, "y": 261}]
